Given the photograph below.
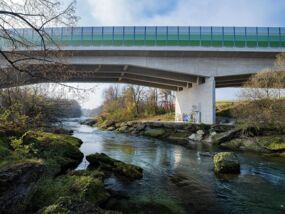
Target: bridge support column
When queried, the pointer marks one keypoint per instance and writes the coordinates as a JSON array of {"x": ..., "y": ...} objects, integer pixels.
[{"x": 197, "y": 104}]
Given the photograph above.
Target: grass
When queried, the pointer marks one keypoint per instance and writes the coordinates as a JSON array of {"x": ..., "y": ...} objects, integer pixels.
[
  {"x": 224, "y": 108},
  {"x": 161, "y": 117}
]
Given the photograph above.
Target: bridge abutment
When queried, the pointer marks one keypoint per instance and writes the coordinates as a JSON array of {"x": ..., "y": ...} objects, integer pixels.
[{"x": 197, "y": 104}]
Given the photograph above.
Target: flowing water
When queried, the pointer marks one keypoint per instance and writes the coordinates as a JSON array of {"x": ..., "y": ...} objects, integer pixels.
[{"x": 181, "y": 180}]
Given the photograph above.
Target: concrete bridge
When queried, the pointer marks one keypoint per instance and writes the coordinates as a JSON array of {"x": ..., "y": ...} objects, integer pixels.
[{"x": 192, "y": 61}]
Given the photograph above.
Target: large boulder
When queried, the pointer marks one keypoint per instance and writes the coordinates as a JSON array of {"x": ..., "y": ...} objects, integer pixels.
[
  {"x": 226, "y": 162},
  {"x": 140, "y": 127},
  {"x": 61, "y": 152},
  {"x": 17, "y": 182},
  {"x": 123, "y": 129},
  {"x": 105, "y": 163},
  {"x": 156, "y": 132}
]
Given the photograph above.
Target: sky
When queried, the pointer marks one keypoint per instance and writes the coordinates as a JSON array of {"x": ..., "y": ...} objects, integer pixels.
[{"x": 267, "y": 13}]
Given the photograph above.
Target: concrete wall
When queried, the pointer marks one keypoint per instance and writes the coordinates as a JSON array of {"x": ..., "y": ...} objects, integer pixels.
[{"x": 199, "y": 98}]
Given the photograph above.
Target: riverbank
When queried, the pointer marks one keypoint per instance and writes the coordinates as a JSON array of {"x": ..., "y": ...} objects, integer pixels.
[
  {"x": 226, "y": 137},
  {"x": 37, "y": 174}
]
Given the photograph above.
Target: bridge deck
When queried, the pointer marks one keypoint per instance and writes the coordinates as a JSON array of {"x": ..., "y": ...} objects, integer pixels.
[{"x": 250, "y": 37}]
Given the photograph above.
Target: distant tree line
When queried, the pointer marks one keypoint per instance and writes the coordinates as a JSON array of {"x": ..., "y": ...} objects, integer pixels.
[{"x": 29, "y": 107}]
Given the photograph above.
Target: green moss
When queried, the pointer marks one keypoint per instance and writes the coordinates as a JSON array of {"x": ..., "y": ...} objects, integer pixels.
[
  {"x": 233, "y": 144},
  {"x": 82, "y": 186},
  {"x": 55, "y": 208},
  {"x": 104, "y": 162},
  {"x": 272, "y": 143},
  {"x": 50, "y": 137},
  {"x": 60, "y": 152},
  {"x": 226, "y": 162}
]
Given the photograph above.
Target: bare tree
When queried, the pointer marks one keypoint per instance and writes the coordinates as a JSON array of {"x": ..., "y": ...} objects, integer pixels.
[
  {"x": 262, "y": 100},
  {"x": 25, "y": 41},
  {"x": 136, "y": 93}
]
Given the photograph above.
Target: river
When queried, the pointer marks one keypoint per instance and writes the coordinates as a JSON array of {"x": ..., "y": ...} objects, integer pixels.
[{"x": 181, "y": 180}]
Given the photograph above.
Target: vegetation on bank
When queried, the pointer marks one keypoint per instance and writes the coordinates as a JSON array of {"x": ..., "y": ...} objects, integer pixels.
[{"x": 26, "y": 108}]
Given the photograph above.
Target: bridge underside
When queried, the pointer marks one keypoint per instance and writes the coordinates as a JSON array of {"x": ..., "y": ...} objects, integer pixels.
[{"x": 127, "y": 74}]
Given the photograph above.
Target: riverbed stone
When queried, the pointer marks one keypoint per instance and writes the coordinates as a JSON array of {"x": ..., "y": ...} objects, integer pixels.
[
  {"x": 130, "y": 123},
  {"x": 200, "y": 132},
  {"x": 123, "y": 129},
  {"x": 117, "y": 125},
  {"x": 140, "y": 127},
  {"x": 111, "y": 128},
  {"x": 157, "y": 132},
  {"x": 226, "y": 162},
  {"x": 195, "y": 137},
  {"x": 226, "y": 136}
]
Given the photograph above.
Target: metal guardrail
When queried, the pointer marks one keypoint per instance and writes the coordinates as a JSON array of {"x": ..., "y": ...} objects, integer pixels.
[{"x": 251, "y": 37}]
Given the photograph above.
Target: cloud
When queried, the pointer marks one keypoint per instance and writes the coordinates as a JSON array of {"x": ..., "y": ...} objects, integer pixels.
[{"x": 188, "y": 12}]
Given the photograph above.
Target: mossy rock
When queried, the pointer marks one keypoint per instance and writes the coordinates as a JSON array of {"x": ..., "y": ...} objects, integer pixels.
[
  {"x": 244, "y": 144},
  {"x": 123, "y": 129},
  {"x": 50, "y": 137},
  {"x": 104, "y": 162},
  {"x": 60, "y": 152},
  {"x": 272, "y": 143},
  {"x": 154, "y": 132},
  {"x": 68, "y": 205},
  {"x": 226, "y": 162},
  {"x": 83, "y": 186}
]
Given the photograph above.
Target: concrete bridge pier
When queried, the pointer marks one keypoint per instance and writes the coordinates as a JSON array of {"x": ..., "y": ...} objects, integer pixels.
[{"x": 197, "y": 104}]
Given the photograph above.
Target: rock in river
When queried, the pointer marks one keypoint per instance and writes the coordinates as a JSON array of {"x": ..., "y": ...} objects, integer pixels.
[
  {"x": 157, "y": 132},
  {"x": 226, "y": 162},
  {"x": 104, "y": 162}
]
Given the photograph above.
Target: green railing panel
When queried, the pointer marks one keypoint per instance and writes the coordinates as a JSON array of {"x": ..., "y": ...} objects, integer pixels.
[
  {"x": 282, "y": 35},
  {"x": 251, "y": 37},
  {"x": 183, "y": 36},
  {"x": 229, "y": 41},
  {"x": 229, "y": 36},
  {"x": 139, "y": 36},
  {"x": 206, "y": 36},
  {"x": 240, "y": 41},
  {"x": 262, "y": 37}
]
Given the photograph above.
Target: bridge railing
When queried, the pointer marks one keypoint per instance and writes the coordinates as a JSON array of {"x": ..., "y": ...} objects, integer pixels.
[{"x": 251, "y": 37}]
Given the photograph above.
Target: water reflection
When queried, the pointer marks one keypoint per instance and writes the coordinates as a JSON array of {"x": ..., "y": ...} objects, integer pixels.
[{"x": 183, "y": 178}]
